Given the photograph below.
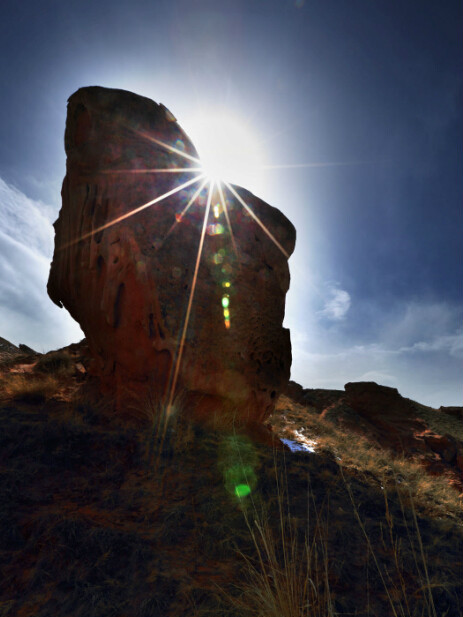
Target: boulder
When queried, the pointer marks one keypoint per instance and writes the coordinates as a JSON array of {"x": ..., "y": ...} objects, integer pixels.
[
  {"x": 444, "y": 445},
  {"x": 7, "y": 348},
  {"x": 394, "y": 418},
  {"x": 170, "y": 303},
  {"x": 26, "y": 349},
  {"x": 316, "y": 398},
  {"x": 456, "y": 412},
  {"x": 371, "y": 398}
]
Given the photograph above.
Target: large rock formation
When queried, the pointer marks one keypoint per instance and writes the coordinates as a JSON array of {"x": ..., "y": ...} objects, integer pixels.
[
  {"x": 127, "y": 279},
  {"x": 384, "y": 417}
]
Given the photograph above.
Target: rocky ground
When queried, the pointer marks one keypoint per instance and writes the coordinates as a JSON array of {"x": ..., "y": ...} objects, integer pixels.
[{"x": 102, "y": 518}]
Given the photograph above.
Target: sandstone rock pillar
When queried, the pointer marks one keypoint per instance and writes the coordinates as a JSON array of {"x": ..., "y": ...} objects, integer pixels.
[{"x": 127, "y": 278}]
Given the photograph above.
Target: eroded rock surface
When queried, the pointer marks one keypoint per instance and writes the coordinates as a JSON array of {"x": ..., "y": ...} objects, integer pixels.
[
  {"x": 129, "y": 284},
  {"x": 391, "y": 421}
]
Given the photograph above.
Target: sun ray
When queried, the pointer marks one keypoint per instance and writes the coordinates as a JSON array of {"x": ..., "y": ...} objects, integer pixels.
[
  {"x": 173, "y": 170},
  {"x": 306, "y": 165},
  {"x": 257, "y": 219},
  {"x": 183, "y": 212},
  {"x": 227, "y": 217},
  {"x": 190, "y": 302},
  {"x": 169, "y": 147},
  {"x": 281, "y": 131},
  {"x": 132, "y": 212}
]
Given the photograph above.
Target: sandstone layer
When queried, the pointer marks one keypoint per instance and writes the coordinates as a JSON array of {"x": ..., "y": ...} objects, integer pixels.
[{"x": 127, "y": 279}]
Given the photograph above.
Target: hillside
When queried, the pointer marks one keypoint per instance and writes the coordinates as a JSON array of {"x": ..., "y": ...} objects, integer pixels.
[{"x": 151, "y": 517}]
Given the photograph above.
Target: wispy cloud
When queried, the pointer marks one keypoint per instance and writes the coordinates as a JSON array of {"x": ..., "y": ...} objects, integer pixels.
[
  {"x": 337, "y": 303},
  {"x": 27, "y": 315},
  {"x": 382, "y": 378},
  {"x": 452, "y": 344},
  {"x": 415, "y": 347},
  {"x": 26, "y": 221}
]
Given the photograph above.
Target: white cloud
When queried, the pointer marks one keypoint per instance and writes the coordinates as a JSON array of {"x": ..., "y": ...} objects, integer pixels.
[
  {"x": 382, "y": 378},
  {"x": 416, "y": 348},
  {"x": 415, "y": 322},
  {"x": 27, "y": 315},
  {"x": 452, "y": 344},
  {"x": 26, "y": 221},
  {"x": 337, "y": 303}
]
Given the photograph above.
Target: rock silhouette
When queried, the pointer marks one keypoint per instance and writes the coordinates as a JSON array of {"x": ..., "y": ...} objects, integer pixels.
[
  {"x": 391, "y": 421},
  {"x": 129, "y": 280},
  {"x": 108, "y": 529}
]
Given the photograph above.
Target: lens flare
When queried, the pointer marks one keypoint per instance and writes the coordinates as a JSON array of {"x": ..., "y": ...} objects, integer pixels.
[
  {"x": 257, "y": 219},
  {"x": 229, "y": 148},
  {"x": 223, "y": 203},
  {"x": 210, "y": 172},
  {"x": 242, "y": 490},
  {"x": 190, "y": 300},
  {"x": 215, "y": 229},
  {"x": 132, "y": 212}
]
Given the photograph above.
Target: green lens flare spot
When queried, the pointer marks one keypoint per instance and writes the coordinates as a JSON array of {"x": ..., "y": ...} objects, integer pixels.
[
  {"x": 242, "y": 490},
  {"x": 225, "y": 302},
  {"x": 215, "y": 229}
]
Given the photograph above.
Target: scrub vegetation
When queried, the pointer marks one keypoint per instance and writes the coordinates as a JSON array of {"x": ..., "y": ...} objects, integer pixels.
[
  {"x": 166, "y": 518},
  {"x": 380, "y": 466}
]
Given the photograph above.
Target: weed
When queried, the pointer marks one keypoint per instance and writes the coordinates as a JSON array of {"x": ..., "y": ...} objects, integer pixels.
[
  {"x": 374, "y": 463},
  {"x": 29, "y": 389},
  {"x": 287, "y": 574},
  {"x": 55, "y": 362}
]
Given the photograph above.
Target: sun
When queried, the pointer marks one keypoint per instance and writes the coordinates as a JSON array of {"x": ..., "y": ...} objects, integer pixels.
[{"x": 228, "y": 148}]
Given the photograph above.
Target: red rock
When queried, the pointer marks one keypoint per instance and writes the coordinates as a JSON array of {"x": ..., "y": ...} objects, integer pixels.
[
  {"x": 459, "y": 460},
  {"x": 373, "y": 399},
  {"x": 394, "y": 417},
  {"x": 129, "y": 284},
  {"x": 445, "y": 445},
  {"x": 314, "y": 397},
  {"x": 456, "y": 412}
]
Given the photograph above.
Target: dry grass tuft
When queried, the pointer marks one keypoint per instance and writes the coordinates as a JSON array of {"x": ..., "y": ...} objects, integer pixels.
[
  {"x": 164, "y": 425},
  {"x": 286, "y": 575},
  {"x": 56, "y": 363},
  {"x": 371, "y": 462}
]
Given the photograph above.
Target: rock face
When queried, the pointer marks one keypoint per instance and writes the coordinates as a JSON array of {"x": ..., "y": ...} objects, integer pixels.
[
  {"x": 129, "y": 279},
  {"x": 7, "y": 348}
]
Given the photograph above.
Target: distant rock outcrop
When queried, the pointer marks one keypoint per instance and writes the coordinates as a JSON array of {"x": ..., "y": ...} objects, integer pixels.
[
  {"x": 127, "y": 279},
  {"x": 391, "y": 421},
  {"x": 7, "y": 348},
  {"x": 456, "y": 412}
]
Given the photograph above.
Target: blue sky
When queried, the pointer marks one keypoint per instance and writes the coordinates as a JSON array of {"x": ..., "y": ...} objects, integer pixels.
[{"x": 370, "y": 89}]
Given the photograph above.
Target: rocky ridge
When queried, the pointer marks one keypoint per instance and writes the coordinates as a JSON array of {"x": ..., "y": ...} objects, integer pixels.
[
  {"x": 383, "y": 416},
  {"x": 99, "y": 518}
]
